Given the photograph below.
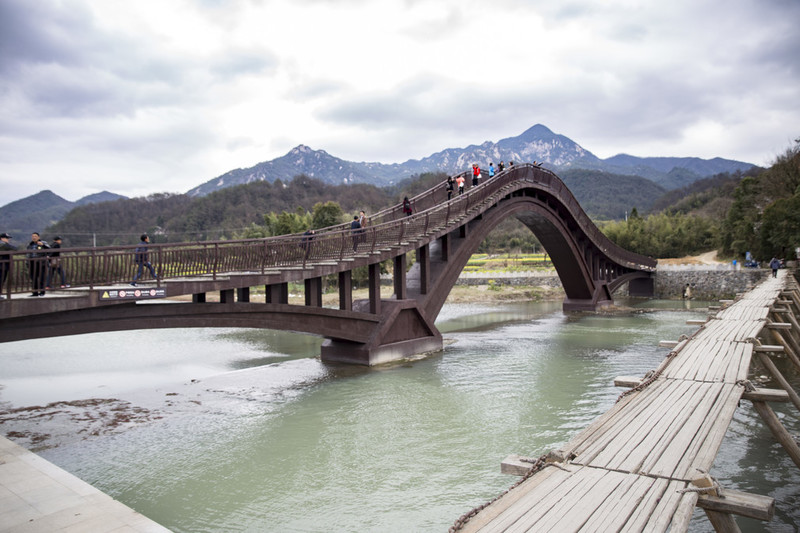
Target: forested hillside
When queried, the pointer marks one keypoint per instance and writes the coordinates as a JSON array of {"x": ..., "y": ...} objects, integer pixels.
[
  {"x": 231, "y": 212},
  {"x": 758, "y": 212}
]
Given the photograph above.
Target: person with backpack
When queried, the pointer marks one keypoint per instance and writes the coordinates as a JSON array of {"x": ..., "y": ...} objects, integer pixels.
[
  {"x": 407, "y": 206},
  {"x": 460, "y": 183},
  {"x": 476, "y": 174}
]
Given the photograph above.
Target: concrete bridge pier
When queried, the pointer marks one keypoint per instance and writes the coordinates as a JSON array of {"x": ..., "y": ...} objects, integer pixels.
[{"x": 403, "y": 331}]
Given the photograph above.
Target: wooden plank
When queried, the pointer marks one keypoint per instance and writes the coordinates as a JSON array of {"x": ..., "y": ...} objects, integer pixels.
[
  {"x": 702, "y": 453},
  {"x": 619, "y": 505},
  {"x": 514, "y": 466},
  {"x": 570, "y": 498},
  {"x": 641, "y": 515},
  {"x": 695, "y": 441},
  {"x": 672, "y": 446},
  {"x": 548, "y": 478},
  {"x": 740, "y": 503},
  {"x": 767, "y": 395},
  {"x": 633, "y": 441},
  {"x": 624, "y": 410},
  {"x": 663, "y": 514},
  {"x": 535, "y": 503},
  {"x": 627, "y": 381},
  {"x": 627, "y": 429}
]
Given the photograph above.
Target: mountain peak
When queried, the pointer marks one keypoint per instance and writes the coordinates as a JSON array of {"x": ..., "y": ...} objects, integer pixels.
[
  {"x": 537, "y": 131},
  {"x": 300, "y": 149}
]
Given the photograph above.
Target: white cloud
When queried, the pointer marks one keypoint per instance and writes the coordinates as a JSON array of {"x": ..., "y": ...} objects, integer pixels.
[{"x": 150, "y": 96}]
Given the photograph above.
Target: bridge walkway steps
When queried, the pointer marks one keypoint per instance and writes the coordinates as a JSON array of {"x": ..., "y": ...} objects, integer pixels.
[{"x": 638, "y": 466}]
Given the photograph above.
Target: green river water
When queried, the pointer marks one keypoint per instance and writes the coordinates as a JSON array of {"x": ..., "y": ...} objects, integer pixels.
[{"x": 246, "y": 430}]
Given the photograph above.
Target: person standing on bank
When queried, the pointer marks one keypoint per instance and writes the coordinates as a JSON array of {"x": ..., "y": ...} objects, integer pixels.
[
  {"x": 5, "y": 260},
  {"x": 37, "y": 263},
  {"x": 142, "y": 259},
  {"x": 54, "y": 266}
]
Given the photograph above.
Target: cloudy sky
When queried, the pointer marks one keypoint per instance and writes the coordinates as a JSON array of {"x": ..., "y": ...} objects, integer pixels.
[{"x": 146, "y": 96}]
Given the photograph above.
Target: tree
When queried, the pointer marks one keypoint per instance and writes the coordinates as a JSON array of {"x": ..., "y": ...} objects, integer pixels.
[
  {"x": 328, "y": 214},
  {"x": 780, "y": 228}
]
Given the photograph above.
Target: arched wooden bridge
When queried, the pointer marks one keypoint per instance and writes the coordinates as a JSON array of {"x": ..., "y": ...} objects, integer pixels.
[{"x": 443, "y": 233}]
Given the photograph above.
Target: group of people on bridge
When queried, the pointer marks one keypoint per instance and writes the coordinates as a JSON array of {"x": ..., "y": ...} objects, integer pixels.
[
  {"x": 44, "y": 263},
  {"x": 45, "y": 267}
]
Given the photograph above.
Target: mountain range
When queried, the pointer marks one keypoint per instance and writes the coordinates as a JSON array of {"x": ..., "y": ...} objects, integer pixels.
[
  {"x": 538, "y": 143},
  {"x": 40, "y": 210}
]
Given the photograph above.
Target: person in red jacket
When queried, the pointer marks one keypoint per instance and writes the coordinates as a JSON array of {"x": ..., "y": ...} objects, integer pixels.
[
  {"x": 407, "y": 206},
  {"x": 476, "y": 174}
]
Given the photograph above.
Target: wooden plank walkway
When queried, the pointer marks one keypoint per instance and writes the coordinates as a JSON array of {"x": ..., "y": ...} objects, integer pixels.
[{"x": 632, "y": 469}]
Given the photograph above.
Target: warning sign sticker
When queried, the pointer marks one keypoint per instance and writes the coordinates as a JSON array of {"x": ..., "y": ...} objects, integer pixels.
[{"x": 133, "y": 294}]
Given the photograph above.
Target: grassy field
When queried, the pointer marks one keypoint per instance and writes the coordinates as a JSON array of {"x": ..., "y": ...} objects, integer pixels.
[{"x": 508, "y": 263}]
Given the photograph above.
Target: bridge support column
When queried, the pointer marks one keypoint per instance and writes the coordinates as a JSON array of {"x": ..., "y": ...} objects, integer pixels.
[
  {"x": 424, "y": 260},
  {"x": 444, "y": 247},
  {"x": 403, "y": 331},
  {"x": 243, "y": 294},
  {"x": 346, "y": 290},
  {"x": 277, "y": 293},
  {"x": 375, "y": 288},
  {"x": 400, "y": 277},
  {"x": 226, "y": 296},
  {"x": 313, "y": 292},
  {"x": 199, "y": 298}
]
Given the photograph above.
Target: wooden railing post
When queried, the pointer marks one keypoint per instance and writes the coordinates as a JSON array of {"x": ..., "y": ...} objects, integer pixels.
[
  {"x": 93, "y": 259},
  {"x": 215, "y": 263}
]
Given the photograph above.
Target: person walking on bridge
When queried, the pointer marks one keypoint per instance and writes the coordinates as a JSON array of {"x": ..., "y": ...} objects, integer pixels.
[
  {"x": 775, "y": 264},
  {"x": 355, "y": 229},
  {"x": 5, "y": 260},
  {"x": 142, "y": 259},
  {"x": 460, "y": 183},
  {"x": 407, "y": 207},
  {"x": 448, "y": 186},
  {"x": 476, "y": 174},
  {"x": 54, "y": 267},
  {"x": 37, "y": 263}
]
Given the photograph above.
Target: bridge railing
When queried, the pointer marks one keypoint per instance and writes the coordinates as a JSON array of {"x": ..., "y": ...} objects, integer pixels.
[{"x": 93, "y": 267}]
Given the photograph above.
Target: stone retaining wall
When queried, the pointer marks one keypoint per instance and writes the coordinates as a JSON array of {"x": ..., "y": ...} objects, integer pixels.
[{"x": 706, "y": 284}]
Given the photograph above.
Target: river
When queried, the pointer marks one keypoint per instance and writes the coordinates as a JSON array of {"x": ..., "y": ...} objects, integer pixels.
[{"x": 246, "y": 430}]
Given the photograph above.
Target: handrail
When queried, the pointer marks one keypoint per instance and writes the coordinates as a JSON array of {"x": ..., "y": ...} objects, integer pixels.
[{"x": 108, "y": 265}]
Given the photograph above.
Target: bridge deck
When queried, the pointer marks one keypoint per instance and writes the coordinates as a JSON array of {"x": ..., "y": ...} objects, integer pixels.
[{"x": 628, "y": 470}]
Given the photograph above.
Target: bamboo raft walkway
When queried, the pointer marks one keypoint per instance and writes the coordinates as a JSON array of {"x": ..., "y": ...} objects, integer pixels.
[{"x": 643, "y": 465}]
